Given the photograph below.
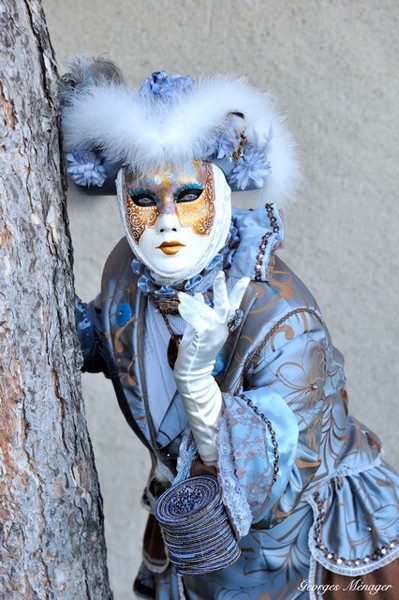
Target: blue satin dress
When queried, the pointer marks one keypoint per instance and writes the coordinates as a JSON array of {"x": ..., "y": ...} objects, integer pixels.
[{"x": 303, "y": 482}]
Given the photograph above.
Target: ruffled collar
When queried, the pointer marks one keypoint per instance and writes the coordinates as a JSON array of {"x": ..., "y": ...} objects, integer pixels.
[
  {"x": 165, "y": 296},
  {"x": 261, "y": 232},
  {"x": 254, "y": 235}
]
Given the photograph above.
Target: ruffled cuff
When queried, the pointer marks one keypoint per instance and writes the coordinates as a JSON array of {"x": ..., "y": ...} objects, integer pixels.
[
  {"x": 356, "y": 521},
  {"x": 257, "y": 444}
]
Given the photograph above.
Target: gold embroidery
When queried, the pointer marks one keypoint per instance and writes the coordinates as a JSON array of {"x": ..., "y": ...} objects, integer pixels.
[
  {"x": 199, "y": 214},
  {"x": 139, "y": 217},
  {"x": 253, "y": 359}
]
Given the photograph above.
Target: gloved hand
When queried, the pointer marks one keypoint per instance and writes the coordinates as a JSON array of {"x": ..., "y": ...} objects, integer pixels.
[{"x": 205, "y": 335}]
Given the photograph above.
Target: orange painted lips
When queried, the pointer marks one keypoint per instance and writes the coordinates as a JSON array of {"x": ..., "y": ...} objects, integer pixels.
[{"x": 170, "y": 248}]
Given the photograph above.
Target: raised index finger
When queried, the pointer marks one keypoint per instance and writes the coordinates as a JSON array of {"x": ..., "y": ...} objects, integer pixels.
[
  {"x": 237, "y": 293},
  {"x": 221, "y": 303}
]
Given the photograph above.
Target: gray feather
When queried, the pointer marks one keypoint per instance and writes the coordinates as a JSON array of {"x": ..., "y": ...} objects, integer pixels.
[{"x": 86, "y": 71}]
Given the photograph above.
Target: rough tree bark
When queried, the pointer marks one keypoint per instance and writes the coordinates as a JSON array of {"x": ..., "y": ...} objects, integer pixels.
[{"x": 51, "y": 523}]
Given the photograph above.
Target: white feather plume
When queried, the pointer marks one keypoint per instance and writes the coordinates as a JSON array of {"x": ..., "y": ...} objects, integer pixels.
[{"x": 148, "y": 133}]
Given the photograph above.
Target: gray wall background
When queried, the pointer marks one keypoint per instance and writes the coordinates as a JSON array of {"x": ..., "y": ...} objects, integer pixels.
[{"x": 333, "y": 65}]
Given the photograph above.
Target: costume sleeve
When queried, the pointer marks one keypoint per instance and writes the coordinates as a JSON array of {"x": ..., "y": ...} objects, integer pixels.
[
  {"x": 88, "y": 325},
  {"x": 270, "y": 428}
]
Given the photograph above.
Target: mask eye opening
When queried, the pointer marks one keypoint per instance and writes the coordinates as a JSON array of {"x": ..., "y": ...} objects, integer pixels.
[
  {"x": 143, "y": 198},
  {"x": 188, "y": 194}
]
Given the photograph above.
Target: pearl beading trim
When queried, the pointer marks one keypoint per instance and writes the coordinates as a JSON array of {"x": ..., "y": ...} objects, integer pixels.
[
  {"x": 265, "y": 241},
  {"x": 339, "y": 560}
]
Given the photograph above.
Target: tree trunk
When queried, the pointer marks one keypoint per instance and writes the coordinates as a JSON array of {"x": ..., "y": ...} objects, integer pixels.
[{"x": 51, "y": 521}]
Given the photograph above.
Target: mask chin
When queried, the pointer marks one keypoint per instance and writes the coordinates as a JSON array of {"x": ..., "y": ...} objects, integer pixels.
[{"x": 198, "y": 250}]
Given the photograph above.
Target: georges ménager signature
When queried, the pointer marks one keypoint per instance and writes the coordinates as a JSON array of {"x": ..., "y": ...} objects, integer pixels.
[{"x": 354, "y": 585}]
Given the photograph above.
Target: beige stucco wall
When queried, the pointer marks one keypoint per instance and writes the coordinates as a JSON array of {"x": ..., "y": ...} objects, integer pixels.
[{"x": 333, "y": 64}]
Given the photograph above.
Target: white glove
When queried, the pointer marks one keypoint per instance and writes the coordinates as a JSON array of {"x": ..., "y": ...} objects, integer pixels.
[{"x": 203, "y": 338}]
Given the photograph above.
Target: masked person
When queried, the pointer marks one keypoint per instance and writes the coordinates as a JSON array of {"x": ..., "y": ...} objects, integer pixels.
[{"x": 220, "y": 357}]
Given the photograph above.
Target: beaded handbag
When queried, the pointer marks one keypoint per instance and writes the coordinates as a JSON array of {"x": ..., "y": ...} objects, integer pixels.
[{"x": 195, "y": 526}]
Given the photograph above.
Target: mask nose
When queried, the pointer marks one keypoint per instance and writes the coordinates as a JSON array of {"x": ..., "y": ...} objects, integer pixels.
[{"x": 167, "y": 224}]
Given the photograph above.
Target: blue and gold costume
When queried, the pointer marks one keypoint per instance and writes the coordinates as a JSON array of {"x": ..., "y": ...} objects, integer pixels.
[{"x": 303, "y": 482}]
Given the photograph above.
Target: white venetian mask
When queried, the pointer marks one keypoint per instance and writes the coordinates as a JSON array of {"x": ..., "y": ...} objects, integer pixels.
[{"x": 175, "y": 220}]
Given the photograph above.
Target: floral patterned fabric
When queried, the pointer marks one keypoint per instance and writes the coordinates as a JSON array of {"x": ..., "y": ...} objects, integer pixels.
[{"x": 303, "y": 482}]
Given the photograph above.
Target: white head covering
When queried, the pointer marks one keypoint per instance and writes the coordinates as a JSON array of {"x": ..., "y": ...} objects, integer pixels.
[{"x": 214, "y": 240}]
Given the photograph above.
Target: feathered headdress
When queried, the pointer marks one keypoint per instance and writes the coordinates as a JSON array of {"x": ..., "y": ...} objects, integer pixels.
[{"x": 173, "y": 120}]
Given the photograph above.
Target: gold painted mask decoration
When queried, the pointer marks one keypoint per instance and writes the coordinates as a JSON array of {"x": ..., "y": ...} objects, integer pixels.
[
  {"x": 187, "y": 193},
  {"x": 176, "y": 220}
]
